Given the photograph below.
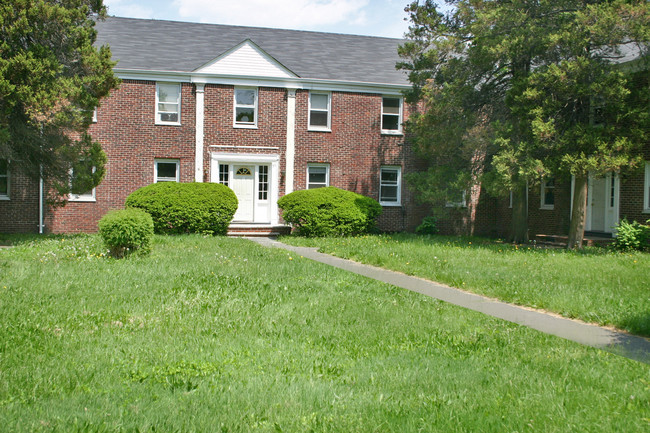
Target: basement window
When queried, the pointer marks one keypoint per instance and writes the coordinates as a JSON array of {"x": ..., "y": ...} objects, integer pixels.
[
  {"x": 318, "y": 176},
  {"x": 390, "y": 180},
  {"x": 166, "y": 170}
]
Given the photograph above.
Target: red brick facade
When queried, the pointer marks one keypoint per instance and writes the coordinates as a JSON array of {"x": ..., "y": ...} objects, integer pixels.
[{"x": 354, "y": 149}]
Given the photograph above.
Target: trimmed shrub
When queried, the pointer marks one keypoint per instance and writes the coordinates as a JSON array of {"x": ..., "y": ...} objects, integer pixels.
[
  {"x": 126, "y": 231},
  {"x": 631, "y": 236},
  {"x": 178, "y": 208},
  {"x": 329, "y": 212}
]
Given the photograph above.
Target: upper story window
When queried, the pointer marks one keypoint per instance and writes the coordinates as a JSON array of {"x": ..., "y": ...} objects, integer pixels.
[
  {"x": 391, "y": 115},
  {"x": 168, "y": 103},
  {"x": 646, "y": 188},
  {"x": 547, "y": 194},
  {"x": 318, "y": 176},
  {"x": 77, "y": 193},
  {"x": 245, "y": 108},
  {"x": 390, "y": 185},
  {"x": 166, "y": 170},
  {"x": 320, "y": 113},
  {"x": 4, "y": 179}
]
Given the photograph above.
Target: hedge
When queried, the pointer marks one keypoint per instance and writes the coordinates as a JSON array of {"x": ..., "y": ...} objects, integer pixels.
[
  {"x": 178, "y": 208},
  {"x": 329, "y": 211}
]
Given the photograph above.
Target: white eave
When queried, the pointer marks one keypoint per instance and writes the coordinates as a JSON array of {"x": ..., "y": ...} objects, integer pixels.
[{"x": 261, "y": 81}]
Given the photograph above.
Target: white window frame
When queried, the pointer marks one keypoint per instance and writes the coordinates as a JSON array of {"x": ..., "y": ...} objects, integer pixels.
[
  {"x": 397, "y": 131},
  {"x": 86, "y": 197},
  {"x": 245, "y": 125},
  {"x": 178, "y": 103},
  {"x": 543, "y": 187},
  {"x": 327, "y": 174},
  {"x": 327, "y": 128},
  {"x": 95, "y": 115},
  {"x": 6, "y": 175},
  {"x": 646, "y": 189},
  {"x": 157, "y": 161},
  {"x": 461, "y": 203},
  {"x": 399, "y": 185}
]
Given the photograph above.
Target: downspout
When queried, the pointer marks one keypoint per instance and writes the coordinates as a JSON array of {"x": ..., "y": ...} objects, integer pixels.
[{"x": 41, "y": 202}]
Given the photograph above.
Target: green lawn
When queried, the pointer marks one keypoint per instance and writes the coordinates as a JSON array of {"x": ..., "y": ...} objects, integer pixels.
[
  {"x": 594, "y": 285},
  {"x": 222, "y": 335}
]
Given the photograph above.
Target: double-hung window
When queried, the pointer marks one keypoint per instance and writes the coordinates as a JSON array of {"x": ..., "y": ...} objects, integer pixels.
[
  {"x": 4, "y": 179},
  {"x": 390, "y": 184},
  {"x": 547, "y": 194},
  {"x": 166, "y": 170},
  {"x": 320, "y": 113},
  {"x": 79, "y": 178},
  {"x": 168, "y": 103},
  {"x": 391, "y": 115},
  {"x": 458, "y": 199},
  {"x": 245, "y": 108},
  {"x": 646, "y": 188},
  {"x": 318, "y": 176}
]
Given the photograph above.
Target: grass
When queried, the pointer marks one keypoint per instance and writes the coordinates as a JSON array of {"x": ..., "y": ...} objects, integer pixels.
[
  {"x": 217, "y": 334},
  {"x": 594, "y": 285}
]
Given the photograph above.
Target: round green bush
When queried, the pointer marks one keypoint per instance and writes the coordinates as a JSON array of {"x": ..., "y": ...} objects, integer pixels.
[
  {"x": 178, "y": 208},
  {"x": 329, "y": 212},
  {"x": 126, "y": 231}
]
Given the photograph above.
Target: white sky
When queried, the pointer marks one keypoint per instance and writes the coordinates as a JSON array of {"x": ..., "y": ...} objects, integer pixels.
[{"x": 361, "y": 17}]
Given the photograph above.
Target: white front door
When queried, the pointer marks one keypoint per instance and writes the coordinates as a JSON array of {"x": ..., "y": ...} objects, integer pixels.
[
  {"x": 602, "y": 204},
  {"x": 243, "y": 184}
]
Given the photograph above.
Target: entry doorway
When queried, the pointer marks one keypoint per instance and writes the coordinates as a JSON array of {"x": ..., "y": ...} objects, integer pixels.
[{"x": 603, "y": 204}]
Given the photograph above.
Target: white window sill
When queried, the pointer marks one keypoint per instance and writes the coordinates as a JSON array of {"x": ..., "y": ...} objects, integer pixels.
[
  {"x": 313, "y": 129},
  {"x": 83, "y": 199},
  {"x": 390, "y": 204},
  {"x": 4, "y": 197},
  {"x": 644, "y": 210},
  {"x": 239, "y": 126},
  {"x": 391, "y": 132},
  {"x": 169, "y": 123},
  {"x": 547, "y": 207},
  {"x": 456, "y": 205}
]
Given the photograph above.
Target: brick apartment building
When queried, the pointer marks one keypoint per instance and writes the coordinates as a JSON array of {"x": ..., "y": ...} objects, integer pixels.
[{"x": 267, "y": 112}]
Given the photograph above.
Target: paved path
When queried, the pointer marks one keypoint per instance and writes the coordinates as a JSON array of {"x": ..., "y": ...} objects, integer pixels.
[{"x": 620, "y": 343}]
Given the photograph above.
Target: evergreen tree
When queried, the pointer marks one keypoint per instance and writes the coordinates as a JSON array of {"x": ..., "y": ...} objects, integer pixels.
[{"x": 51, "y": 80}]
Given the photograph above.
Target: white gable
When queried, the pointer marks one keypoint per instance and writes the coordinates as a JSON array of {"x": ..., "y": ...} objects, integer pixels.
[{"x": 246, "y": 59}]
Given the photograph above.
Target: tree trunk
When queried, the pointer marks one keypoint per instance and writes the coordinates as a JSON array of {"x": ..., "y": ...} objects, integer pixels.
[
  {"x": 579, "y": 214},
  {"x": 519, "y": 214}
]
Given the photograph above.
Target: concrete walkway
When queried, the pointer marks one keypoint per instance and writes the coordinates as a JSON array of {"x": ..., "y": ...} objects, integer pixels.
[{"x": 620, "y": 343}]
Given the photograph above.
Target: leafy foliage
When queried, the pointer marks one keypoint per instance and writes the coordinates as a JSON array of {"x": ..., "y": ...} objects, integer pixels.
[
  {"x": 193, "y": 207},
  {"x": 512, "y": 89},
  {"x": 51, "y": 80},
  {"x": 329, "y": 212},
  {"x": 428, "y": 227},
  {"x": 126, "y": 231},
  {"x": 632, "y": 236}
]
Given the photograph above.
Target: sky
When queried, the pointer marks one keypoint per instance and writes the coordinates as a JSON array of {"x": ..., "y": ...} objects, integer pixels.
[{"x": 359, "y": 17}]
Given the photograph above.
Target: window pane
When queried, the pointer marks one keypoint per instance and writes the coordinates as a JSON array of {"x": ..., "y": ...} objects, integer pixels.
[
  {"x": 388, "y": 176},
  {"x": 319, "y": 102},
  {"x": 317, "y": 177},
  {"x": 245, "y": 97},
  {"x": 169, "y": 108},
  {"x": 245, "y": 115},
  {"x": 549, "y": 197},
  {"x": 168, "y": 92},
  {"x": 388, "y": 193},
  {"x": 391, "y": 105},
  {"x": 318, "y": 118},
  {"x": 4, "y": 186},
  {"x": 390, "y": 122},
  {"x": 169, "y": 117},
  {"x": 167, "y": 169},
  {"x": 3, "y": 167}
]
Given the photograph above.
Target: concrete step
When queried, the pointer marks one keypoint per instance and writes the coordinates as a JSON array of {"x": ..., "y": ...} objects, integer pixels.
[
  {"x": 257, "y": 230},
  {"x": 562, "y": 240}
]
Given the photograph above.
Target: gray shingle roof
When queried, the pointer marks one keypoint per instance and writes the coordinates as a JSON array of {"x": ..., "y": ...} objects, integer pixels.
[{"x": 181, "y": 46}]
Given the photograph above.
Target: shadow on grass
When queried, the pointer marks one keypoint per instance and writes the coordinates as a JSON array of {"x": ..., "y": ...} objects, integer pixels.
[
  {"x": 27, "y": 238},
  {"x": 639, "y": 325}
]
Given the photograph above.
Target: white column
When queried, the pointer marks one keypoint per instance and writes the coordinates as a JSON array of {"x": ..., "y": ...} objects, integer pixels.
[
  {"x": 291, "y": 140},
  {"x": 200, "y": 113}
]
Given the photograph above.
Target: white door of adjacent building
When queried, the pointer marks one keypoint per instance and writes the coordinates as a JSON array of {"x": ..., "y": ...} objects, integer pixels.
[{"x": 603, "y": 204}]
